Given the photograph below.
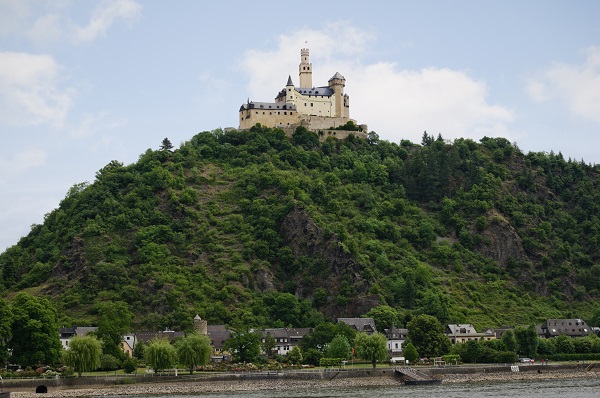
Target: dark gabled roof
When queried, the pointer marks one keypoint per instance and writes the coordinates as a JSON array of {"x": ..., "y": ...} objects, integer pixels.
[
  {"x": 149, "y": 336},
  {"x": 571, "y": 327},
  {"x": 292, "y": 334},
  {"x": 218, "y": 334},
  {"x": 360, "y": 324}
]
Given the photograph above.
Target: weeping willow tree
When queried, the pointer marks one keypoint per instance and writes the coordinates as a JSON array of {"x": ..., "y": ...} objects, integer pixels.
[
  {"x": 194, "y": 350},
  {"x": 160, "y": 355},
  {"x": 83, "y": 354}
]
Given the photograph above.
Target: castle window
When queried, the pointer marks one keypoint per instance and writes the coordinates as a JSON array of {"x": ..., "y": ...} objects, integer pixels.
[
  {"x": 285, "y": 113},
  {"x": 263, "y": 112},
  {"x": 311, "y": 104},
  {"x": 256, "y": 112},
  {"x": 279, "y": 113}
]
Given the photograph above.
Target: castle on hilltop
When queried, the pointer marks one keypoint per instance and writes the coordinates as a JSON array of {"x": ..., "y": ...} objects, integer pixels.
[{"x": 316, "y": 108}]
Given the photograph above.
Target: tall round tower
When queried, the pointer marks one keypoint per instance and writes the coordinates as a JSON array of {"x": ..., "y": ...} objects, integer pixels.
[
  {"x": 200, "y": 325},
  {"x": 305, "y": 69}
]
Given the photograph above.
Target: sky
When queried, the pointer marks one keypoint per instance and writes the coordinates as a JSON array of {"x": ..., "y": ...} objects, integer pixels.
[{"x": 83, "y": 83}]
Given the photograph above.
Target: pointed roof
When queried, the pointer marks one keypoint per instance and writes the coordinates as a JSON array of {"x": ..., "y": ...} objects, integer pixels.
[
  {"x": 337, "y": 76},
  {"x": 289, "y": 82}
]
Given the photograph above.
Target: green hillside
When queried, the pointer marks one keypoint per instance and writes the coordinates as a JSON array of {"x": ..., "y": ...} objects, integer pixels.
[{"x": 258, "y": 229}]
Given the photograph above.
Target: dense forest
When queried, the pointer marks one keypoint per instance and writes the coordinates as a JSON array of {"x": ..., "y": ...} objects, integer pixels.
[{"x": 255, "y": 228}]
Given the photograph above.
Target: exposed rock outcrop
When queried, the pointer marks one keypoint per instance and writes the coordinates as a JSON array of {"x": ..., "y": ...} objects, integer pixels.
[
  {"x": 300, "y": 232},
  {"x": 500, "y": 240}
]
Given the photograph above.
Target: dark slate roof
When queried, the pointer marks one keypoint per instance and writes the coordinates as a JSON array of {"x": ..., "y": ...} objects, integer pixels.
[
  {"x": 324, "y": 91},
  {"x": 571, "y": 327},
  {"x": 289, "y": 82},
  {"x": 462, "y": 328},
  {"x": 395, "y": 333},
  {"x": 337, "y": 76},
  {"x": 360, "y": 324},
  {"x": 218, "y": 335},
  {"x": 268, "y": 106},
  {"x": 146, "y": 337}
]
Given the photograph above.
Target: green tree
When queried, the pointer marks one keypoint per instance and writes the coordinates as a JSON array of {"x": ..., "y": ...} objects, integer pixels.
[
  {"x": 166, "y": 145},
  {"x": 35, "y": 338},
  {"x": 426, "y": 333},
  {"x": 295, "y": 355},
  {"x": 130, "y": 365},
  {"x": 194, "y": 350},
  {"x": 527, "y": 340},
  {"x": 83, "y": 354},
  {"x": 109, "y": 362},
  {"x": 323, "y": 333},
  {"x": 410, "y": 352},
  {"x": 564, "y": 344},
  {"x": 244, "y": 346},
  {"x": 509, "y": 340},
  {"x": 371, "y": 347},
  {"x": 139, "y": 349},
  {"x": 269, "y": 345},
  {"x": 160, "y": 355},
  {"x": 6, "y": 319},
  {"x": 115, "y": 321},
  {"x": 339, "y": 348},
  {"x": 384, "y": 316}
]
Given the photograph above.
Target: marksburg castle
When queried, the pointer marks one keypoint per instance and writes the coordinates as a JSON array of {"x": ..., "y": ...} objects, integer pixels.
[{"x": 319, "y": 109}]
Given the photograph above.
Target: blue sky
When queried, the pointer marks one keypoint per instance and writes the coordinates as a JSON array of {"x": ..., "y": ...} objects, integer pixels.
[{"x": 86, "y": 82}]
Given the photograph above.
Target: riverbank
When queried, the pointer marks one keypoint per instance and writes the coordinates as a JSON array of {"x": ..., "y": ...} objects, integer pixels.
[{"x": 376, "y": 379}]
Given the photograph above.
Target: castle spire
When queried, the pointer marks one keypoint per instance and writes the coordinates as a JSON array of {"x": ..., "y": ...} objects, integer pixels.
[{"x": 289, "y": 82}]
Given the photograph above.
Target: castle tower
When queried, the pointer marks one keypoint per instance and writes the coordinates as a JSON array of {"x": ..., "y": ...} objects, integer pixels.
[
  {"x": 305, "y": 69},
  {"x": 337, "y": 84},
  {"x": 289, "y": 91},
  {"x": 200, "y": 325}
]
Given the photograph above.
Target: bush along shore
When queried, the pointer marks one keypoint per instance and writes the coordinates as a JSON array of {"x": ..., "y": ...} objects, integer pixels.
[{"x": 254, "y": 381}]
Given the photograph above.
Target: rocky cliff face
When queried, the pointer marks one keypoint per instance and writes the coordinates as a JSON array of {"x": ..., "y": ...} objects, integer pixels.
[
  {"x": 500, "y": 241},
  {"x": 305, "y": 238}
]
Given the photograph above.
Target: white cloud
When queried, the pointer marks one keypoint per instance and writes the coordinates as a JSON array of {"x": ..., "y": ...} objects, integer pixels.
[
  {"x": 30, "y": 91},
  {"x": 576, "y": 85},
  {"x": 105, "y": 15},
  {"x": 394, "y": 102},
  {"x": 46, "y": 29}
]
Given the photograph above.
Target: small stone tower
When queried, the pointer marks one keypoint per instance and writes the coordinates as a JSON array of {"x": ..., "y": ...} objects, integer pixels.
[
  {"x": 305, "y": 69},
  {"x": 200, "y": 325},
  {"x": 342, "y": 102}
]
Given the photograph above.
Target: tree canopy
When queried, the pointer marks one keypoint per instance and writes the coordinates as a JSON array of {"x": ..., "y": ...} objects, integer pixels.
[
  {"x": 371, "y": 347},
  {"x": 83, "y": 354}
]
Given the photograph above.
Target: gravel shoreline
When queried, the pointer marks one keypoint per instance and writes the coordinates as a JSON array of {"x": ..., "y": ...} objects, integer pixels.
[{"x": 195, "y": 387}]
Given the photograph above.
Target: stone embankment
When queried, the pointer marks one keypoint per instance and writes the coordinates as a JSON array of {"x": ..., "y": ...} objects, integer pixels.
[{"x": 316, "y": 380}]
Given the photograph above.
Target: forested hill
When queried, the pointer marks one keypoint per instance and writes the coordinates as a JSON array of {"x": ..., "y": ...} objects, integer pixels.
[{"x": 258, "y": 229}]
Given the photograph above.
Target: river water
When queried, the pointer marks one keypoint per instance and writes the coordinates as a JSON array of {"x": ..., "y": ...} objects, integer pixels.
[{"x": 563, "y": 388}]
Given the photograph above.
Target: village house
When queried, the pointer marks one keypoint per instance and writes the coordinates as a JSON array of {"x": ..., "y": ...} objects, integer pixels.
[
  {"x": 66, "y": 334},
  {"x": 461, "y": 333},
  {"x": 570, "y": 327},
  {"x": 395, "y": 340},
  {"x": 285, "y": 338}
]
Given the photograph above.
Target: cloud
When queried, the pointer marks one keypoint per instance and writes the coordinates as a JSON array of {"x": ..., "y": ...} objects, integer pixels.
[
  {"x": 397, "y": 103},
  {"x": 578, "y": 86},
  {"x": 46, "y": 29},
  {"x": 30, "y": 92},
  {"x": 104, "y": 16}
]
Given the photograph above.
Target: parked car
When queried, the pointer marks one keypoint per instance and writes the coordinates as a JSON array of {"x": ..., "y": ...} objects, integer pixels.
[{"x": 525, "y": 360}]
